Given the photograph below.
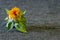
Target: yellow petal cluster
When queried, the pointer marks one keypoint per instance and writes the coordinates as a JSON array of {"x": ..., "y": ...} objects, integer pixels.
[{"x": 15, "y": 13}]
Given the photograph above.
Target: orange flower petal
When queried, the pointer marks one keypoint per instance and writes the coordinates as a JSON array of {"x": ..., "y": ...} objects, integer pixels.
[{"x": 15, "y": 13}]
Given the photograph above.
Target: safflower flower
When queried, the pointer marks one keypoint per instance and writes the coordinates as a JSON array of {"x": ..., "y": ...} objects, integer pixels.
[{"x": 16, "y": 19}]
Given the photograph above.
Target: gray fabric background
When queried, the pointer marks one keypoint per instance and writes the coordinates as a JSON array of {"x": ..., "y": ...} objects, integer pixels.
[{"x": 41, "y": 15}]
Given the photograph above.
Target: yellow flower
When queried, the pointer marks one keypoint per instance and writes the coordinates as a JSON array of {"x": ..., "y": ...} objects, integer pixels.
[
  {"x": 15, "y": 13},
  {"x": 16, "y": 19}
]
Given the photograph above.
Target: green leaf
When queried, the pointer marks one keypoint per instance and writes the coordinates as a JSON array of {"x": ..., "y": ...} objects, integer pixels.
[
  {"x": 6, "y": 18},
  {"x": 7, "y": 11},
  {"x": 9, "y": 25},
  {"x": 23, "y": 12},
  {"x": 23, "y": 19},
  {"x": 21, "y": 27}
]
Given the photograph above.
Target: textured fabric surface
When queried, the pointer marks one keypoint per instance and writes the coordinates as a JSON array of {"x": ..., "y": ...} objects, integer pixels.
[
  {"x": 39, "y": 12},
  {"x": 36, "y": 34},
  {"x": 40, "y": 15}
]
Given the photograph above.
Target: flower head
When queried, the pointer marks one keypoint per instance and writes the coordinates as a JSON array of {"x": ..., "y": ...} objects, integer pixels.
[{"x": 15, "y": 13}]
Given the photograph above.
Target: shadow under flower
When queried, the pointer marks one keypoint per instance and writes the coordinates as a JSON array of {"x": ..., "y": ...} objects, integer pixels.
[
  {"x": 32, "y": 28},
  {"x": 42, "y": 28}
]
